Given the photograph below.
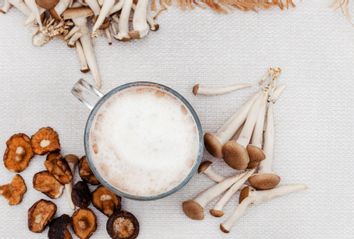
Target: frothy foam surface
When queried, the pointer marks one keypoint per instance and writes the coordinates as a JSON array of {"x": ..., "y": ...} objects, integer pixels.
[{"x": 144, "y": 141}]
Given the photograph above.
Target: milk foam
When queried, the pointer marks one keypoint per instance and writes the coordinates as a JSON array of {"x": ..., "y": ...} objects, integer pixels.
[{"x": 144, "y": 141}]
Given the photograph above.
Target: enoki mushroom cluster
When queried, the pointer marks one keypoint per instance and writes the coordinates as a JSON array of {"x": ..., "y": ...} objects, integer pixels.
[
  {"x": 77, "y": 21},
  {"x": 245, "y": 143}
]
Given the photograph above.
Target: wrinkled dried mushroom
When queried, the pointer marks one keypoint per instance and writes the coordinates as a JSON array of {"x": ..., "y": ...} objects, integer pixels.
[
  {"x": 18, "y": 153},
  {"x": 106, "y": 201},
  {"x": 45, "y": 140},
  {"x": 14, "y": 191},
  {"x": 58, "y": 228},
  {"x": 123, "y": 225},
  {"x": 58, "y": 167},
  {"x": 46, "y": 183},
  {"x": 86, "y": 173},
  {"x": 40, "y": 215},
  {"x": 81, "y": 195},
  {"x": 84, "y": 223}
]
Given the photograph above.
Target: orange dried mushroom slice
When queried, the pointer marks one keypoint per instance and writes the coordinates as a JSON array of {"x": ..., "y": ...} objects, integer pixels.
[
  {"x": 18, "y": 153},
  {"x": 86, "y": 173},
  {"x": 15, "y": 190},
  {"x": 58, "y": 167},
  {"x": 46, "y": 183},
  {"x": 40, "y": 215},
  {"x": 84, "y": 223},
  {"x": 106, "y": 201},
  {"x": 45, "y": 140}
]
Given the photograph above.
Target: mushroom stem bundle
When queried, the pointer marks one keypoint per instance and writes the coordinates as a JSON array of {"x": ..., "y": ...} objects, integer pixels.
[
  {"x": 210, "y": 91},
  {"x": 104, "y": 12},
  {"x": 205, "y": 168},
  {"x": 250, "y": 196},
  {"x": 123, "y": 25}
]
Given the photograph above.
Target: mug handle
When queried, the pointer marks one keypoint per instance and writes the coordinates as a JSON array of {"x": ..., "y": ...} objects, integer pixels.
[{"x": 86, "y": 93}]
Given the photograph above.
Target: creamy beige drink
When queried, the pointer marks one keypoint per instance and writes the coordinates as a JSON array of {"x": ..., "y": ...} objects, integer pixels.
[{"x": 144, "y": 141}]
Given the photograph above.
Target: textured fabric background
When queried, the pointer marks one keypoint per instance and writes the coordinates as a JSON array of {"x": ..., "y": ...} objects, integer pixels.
[{"x": 314, "y": 118}]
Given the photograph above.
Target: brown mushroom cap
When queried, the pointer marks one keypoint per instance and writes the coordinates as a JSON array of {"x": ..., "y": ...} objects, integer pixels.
[
  {"x": 264, "y": 181},
  {"x": 58, "y": 167},
  {"x": 216, "y": 213},
  {"x": 213, "y": 145},
  {"x": 193, "y": 210},
  {"x": 18, "y": 153},
  {"x": 45, "y": 140},
  {"x": 245, "y": 192},
  {"x": 40, "y": 215},
  {"x": 84, "y": 223},
  {"x": 255, "y": 153},
  {"x": 253, "y": 164},
  {"x": 47, "y": 4},
  {"x": 81, "y": 195},
  {"x": 195, "y": 89},
  {"x": 122, "y": 225},
  {"x": 75, "y": 12},
  {"x": 46, "y": 183},
  {"x": 106, "y": 201},
  {"x": 204, "y": 166},
  {"x": 235, "y": 155},
  {"x": 58, "y": 228},
  {"x": 86, "y": 173},
  {"x": 71, "y": 159},
  {"x": 15, "y": 190}
]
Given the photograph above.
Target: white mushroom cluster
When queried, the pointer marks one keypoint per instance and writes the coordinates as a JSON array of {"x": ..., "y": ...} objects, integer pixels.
[{"x": 245, "y": 142}]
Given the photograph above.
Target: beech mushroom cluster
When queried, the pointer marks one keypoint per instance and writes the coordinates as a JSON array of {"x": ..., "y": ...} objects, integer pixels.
[{"x": 245, "y": 142}]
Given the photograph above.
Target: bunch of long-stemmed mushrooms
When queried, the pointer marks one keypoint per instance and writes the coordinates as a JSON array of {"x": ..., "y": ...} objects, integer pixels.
[{"x": 245, "y": 142}]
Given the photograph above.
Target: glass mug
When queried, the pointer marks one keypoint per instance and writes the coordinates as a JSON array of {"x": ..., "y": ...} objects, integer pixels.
[{"x": 94, "y": 99}]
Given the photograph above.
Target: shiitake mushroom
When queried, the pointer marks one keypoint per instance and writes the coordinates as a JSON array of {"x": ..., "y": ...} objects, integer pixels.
[
  {"x": 81, "y": 195},
  {"x": 40, "y": 215},
  {"x": 58, "y": 228},
  {"x": 46, "y": 183},
  {"x": 45, "y": 140},
  {"x": 58, "y": 167},
  {"x": 84, "y": 223},
  {"x": 122, "y": 225},
  {"x": 86, "y": 173},
  {"x": 14, "y": 191},
  {"x": 106, "y": 201}
]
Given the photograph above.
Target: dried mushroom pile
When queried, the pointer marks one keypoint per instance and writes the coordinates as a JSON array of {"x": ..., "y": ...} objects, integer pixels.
[
  {"x": 77, "y": 21},
  {"x": 58, "y": 177},
  {"x": 245, "y": 143}
]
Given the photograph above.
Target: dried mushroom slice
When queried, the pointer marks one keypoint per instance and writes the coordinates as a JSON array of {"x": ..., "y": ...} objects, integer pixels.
[
  {"x": 81, "y": 195},
  {"x": 18, "y": 153},
  {"x": 58, "y": 167},
  {"x": 14, "y": 191},
  {"x": 58, "y": 228},
  {"x": 45, "y": 140},
  {"x": 106, "y": 201},
  {"x": 84, "y": 223},
  {"x": 40, "y": 215},
  {"x": 46, "y": 183},
  {"x": 123, "y": 225},
  {"x": 86, "y": 173}
]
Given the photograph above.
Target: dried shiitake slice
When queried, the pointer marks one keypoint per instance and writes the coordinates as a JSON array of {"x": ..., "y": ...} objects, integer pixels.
[
  {"x": 46, "y": 183},
  {"x": 86, "y": 173},
  {"x": 45, "y": 140},
  {"x": 58, "y": 228},
  {"x": 81, "y": 195},
  {"x": 14, "y": 191},
  {"x": 84, "y": 223},
  {"x": 18, "y": 153},
  {"x": 106, "y": 201},
  {"x": 40, "y": 215},
  {"x": 58, "y": 167},
  {"x": 122, "y": 225}
]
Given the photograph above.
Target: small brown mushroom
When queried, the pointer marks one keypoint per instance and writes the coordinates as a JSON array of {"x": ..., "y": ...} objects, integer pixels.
[
  {"x": 40, "y": 215},
  {"x": 45, "y": 140},
  {"x": 81, "y": 195},
  {"x": 84, "y": 223},
  {"x": 14, "y": 191},
  {"x": 86, "y": 173},
  {"x": 58, "y": 167},
  {"x": 106, "y": 201},
  {"x": 58, "y": 228},
  {"x": 123, "y": 225},
  {"x": 18, "y": 153},
  {"x": 46, "y": 183}
]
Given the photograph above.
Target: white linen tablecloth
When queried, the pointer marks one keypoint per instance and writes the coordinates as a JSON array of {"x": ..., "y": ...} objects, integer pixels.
[{"x": 314, "y": 119}]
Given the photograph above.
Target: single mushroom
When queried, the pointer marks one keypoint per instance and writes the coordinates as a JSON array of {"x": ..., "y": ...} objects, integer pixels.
[
  {"x": 14, "y": 191},
  {"x": 46, "y": 183},
  {"x": 194, "y": 208},
  {"x": 58, "y": 228},
  {"x": 84, "y": 223},
  {"x": 106, "y": 201},
  {"x": 58, "y": 167},
  {"x": 217, "y": 210},
  {"x": 72, "y": 160},
  {"x": 215, "y": 141},
  {"x": 210, "y": 91},
  {"x": 81, "y": 195},
  {"x": 104, "y": 12},
  {"x": 123, "y": 32},
  {"x": 40, "y": 215},
  {"x": 205, "y": 168},
  {"x": 249, "y": 196},
  {"x": 80, "y": 52},
  {"x": 86, "y": 173},
  {"x": 45, "y": 140},
  {"x": 122, "y": 225},
  {"x": 18, "y": 153}
]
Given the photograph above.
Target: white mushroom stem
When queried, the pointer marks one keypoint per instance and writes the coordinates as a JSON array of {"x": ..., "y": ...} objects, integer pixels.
[
  {"x": 218, "y": 208},
  {"x": 80, "y": 52},
  {"x": 117, "y": 7},
  {"x": 5, "y": 7},
  {"x": 153, "y": 25},
  {"x": 74, "y": 30},
  {"x": 21, "y": 6},
  {"x": 31, "y": 4},
  {"x": 258, "y": 197},
  {"x": 108, "y": 34},
  {"x": 113, "y": 28},
  {"x": 123, "y": 32},
  {"x": 69, "y": 186},
  {"x": 210, "y": 91},
  {"x": 206, "y": 168},
  {"x": 40, "y": 39},
  {"x": 257, "y": 137},
  {"x": 93, "y": 4},
  {"x": 74, "y": 39},
  {"x": 140, "y": 25},
  {"x": 104, "y": 12}
]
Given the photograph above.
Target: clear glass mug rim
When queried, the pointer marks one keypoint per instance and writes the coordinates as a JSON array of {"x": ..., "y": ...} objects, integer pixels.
[{"x": 94, "y": 110}]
